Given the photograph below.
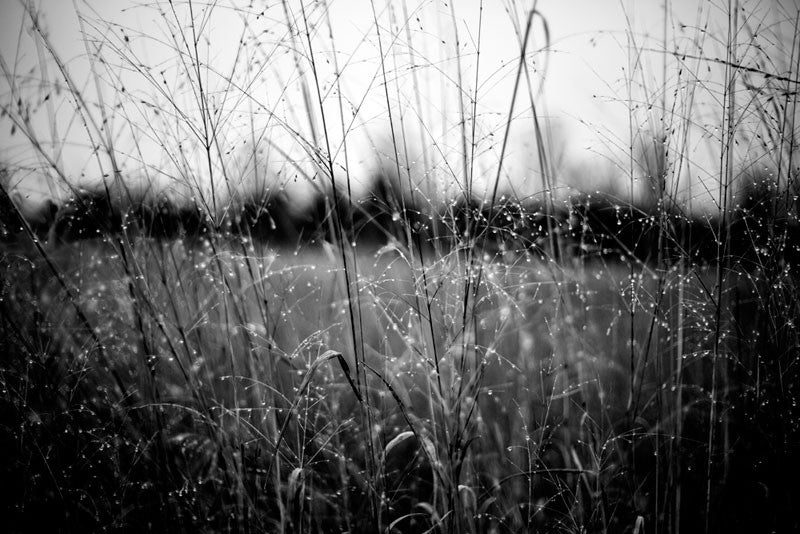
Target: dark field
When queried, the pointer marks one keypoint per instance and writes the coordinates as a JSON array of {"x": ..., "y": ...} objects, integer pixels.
[{"x": 219, "y": 383}]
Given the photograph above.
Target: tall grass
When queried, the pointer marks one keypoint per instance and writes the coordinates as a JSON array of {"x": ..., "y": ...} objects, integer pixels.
[{"x": 435, "y": 356}]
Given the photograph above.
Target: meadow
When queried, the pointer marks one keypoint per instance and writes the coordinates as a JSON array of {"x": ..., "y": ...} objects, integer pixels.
[{"x": 399, "y": 355}]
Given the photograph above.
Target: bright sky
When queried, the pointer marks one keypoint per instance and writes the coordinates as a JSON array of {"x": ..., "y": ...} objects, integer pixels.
[{"x": 603, "y": 59}]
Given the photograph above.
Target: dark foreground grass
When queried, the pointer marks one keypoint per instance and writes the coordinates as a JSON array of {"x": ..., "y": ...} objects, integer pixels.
[{"x": 193, "y": 388}]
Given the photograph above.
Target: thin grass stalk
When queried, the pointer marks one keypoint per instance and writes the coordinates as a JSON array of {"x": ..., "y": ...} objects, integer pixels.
[
  {"x": 469, "y": 266},
  {"x": 631, "y": 181},
  {"x": 512, "y": 105},
  {"x": 548, "y": 174},
  {"x": 460, "y": 89},
  {"x": 295, "y": 48},
  {"x": 338, "y": 74},
  {"x": 727, "y": 133},
  {"x": 683, "y": 273},
  {"x": 202, "y": 102},
  {"x": 662, "y": 228},
  {"x": 633, "y": 65}
]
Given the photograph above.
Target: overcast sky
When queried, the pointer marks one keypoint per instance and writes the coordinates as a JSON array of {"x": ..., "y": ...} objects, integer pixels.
[{"x": 603, "y": 57}]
